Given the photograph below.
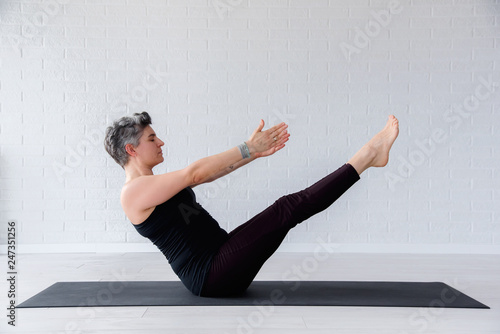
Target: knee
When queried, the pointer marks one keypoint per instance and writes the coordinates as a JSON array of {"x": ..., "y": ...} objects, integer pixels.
[{"x": 293, "y": 207}]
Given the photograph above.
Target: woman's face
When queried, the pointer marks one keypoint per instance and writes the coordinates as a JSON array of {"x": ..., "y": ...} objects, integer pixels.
[{"x": 149, "y": 148}]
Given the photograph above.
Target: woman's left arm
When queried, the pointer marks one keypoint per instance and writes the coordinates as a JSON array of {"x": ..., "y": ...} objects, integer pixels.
[{"x": 259, "y": 138}]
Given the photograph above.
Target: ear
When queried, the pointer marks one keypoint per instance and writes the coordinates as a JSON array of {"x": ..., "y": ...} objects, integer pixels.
[{"x": 130, "y": 150}]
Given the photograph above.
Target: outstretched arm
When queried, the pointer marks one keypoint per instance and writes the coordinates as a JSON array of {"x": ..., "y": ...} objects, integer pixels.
[
  {"x": 261, "y": 144},
  {"x": 230, "y": 169},
  {"x": 150, "y": 190}
]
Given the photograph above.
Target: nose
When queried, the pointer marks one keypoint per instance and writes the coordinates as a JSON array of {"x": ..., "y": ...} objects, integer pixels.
[{"x": 161, "y": 142}]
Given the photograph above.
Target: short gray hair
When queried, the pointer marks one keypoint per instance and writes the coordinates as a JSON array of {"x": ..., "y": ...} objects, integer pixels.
[{"x": 126, "y": 130}]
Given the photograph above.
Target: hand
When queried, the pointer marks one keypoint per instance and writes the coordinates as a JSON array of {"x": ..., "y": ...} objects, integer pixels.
[{"x": 265, "y": 143}]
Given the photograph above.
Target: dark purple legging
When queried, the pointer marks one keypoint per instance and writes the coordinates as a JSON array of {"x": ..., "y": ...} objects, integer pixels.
[{"x": 240, "y": 258}]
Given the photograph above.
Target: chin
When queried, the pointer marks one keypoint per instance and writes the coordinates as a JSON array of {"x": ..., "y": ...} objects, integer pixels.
[{"x": 157, "y": 162}]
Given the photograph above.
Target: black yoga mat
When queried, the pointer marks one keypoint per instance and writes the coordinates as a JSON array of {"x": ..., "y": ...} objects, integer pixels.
[{"x": 290, "y": 293}]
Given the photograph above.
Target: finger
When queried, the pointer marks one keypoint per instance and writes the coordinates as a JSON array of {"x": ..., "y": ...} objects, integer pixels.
[
  {"x": 277, "y": 148},
  {"x": 259, "y": 128},
  {"x": 281, "y": 135},
  {"x": 279, "y": 143},
  {"x": 277, "y": 127},
  {"x": 280, "y": 132},
  {"x": 283, "y": 141}
]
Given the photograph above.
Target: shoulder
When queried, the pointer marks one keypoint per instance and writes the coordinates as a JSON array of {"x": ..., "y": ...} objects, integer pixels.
[
  {"x": 147, "y": 191},
  {"x": 130, "y": 188},
  {"x": 133, "y": 189},
  {"x": 128, "y": 199}
]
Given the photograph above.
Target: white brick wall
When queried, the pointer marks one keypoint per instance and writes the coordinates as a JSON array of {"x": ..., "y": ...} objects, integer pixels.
[{"x": 207, "y": 71}]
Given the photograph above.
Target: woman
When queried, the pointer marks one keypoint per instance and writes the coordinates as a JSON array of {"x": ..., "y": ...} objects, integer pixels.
[{"x": 207, "y": 259}]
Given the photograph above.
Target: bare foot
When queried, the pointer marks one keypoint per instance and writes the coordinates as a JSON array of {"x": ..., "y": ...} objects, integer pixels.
[{"x": 375, "y": 153}]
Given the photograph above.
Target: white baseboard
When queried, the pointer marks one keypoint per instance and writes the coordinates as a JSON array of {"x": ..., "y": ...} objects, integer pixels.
[
  {"x": 393, "y": 248},
  {"x": 86, "y": 248},
  {"x": 285, "y": 248}
]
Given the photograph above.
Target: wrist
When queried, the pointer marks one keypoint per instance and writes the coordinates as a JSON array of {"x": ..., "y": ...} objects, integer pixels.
[
  {"x": 251, "y": 148},
  {"x": 245, "y": 151},
  {"x": 253, "y": 151},
  {"x": 248, "y": 151}
]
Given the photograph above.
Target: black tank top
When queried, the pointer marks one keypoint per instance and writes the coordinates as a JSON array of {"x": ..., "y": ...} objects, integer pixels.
[{"x": 187, "y": 235}]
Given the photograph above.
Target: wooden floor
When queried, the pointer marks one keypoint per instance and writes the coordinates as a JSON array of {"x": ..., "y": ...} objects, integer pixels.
[{"x": 476, "y": 275}]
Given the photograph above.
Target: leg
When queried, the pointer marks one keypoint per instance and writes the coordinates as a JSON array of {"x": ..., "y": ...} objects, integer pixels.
[{"x": 251, "y": 244}]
